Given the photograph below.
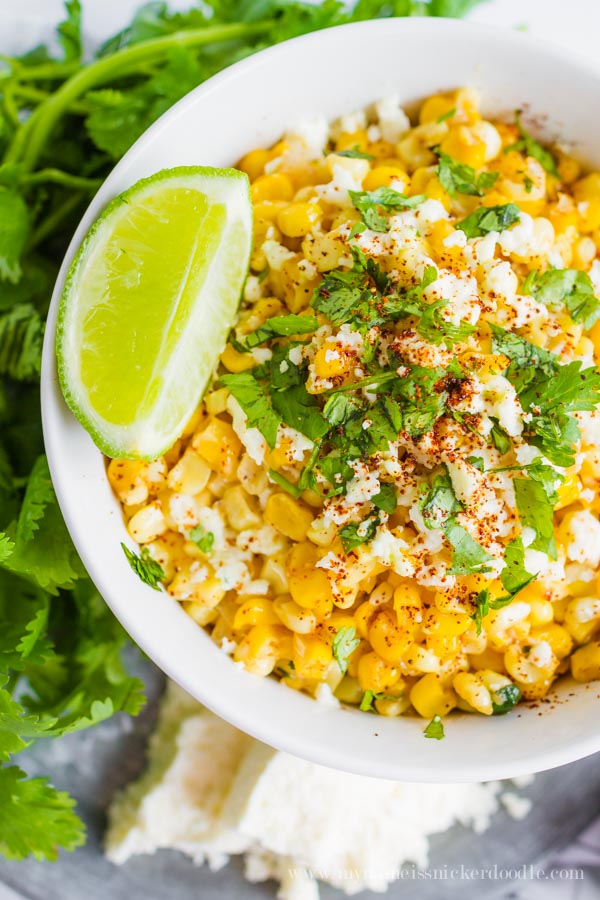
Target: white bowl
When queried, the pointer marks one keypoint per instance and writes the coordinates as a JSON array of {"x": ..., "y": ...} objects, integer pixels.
[{"x": 250, "y": 105}]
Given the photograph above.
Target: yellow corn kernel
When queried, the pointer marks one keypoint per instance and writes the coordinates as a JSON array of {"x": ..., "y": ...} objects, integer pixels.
[
  {"x": 582, "y": 618},
  {"x": 207, "y": 593},
  {"x": 167, "y": 550},
  {"x": 220, "y": 446},
  {"x": 437, "y": 107},
  {"x": 321, "y": 534},
  {"x": 362, "y": 618},
  {"x": 464, "y": 146},
  {"x": 584, "y": 253},
  {"x": 216, "y": 402},
  {"x": 288, "y": 516},
  {"x": 234, "y": 361},
  {"x": 558, "y": 637},
  {"x": 134, "y": 480},
  {"x": 260, "y": 649},
  {"x": 391, "y": 706},
  {"x": 251, "y": 476},
  {"x": 471, "y": 688},
  {"x": 298, "y": 219},
  {"x": 311, "y": 656},
  {"x": 386, "y": 638},
  {"x": 431, "y": 697},
  {"x": 532, "y": 666},
  {"x": 387, "y": 176},
  {"x": 295, "y": 282},
  {"x": 273, "y": 571},
  {"x": 441, "y": 230},
  {"x": 148, "y": 523},
  {"x": 351, "y": 140},
  {"x": 253, "y": 163},
  {"x": 487, "y": 659},
  {"x": 255, "y": 611},
  {"x": 585, "y": 662},
  {"x": 436, "y": 191},
  {"x": 415, "y": 150},
  {"x": 569, "y": 491},
  {"x": 293, "y": 616},
  {"x": 308, "y": 585},
  {"x": 272, "y": 188},
  {"x": 331, "y": 362},
  {"x": 349, "y": 690},
  {"x": 541, "y": 612},
  {"x": 190, "y": 475},
  {"x": 201, "y": 615},
  {"x": 375, "y": 674},
  {"x": 406, "y": 595},
  {"x": 241, "y": 509},
  {"x": 569, "y": 168}
]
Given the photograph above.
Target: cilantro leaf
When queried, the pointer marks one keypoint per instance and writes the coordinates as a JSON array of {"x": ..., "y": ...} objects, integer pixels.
[
  {"x": 14, "y": 217},
  {"x": 354, "y": 153},
  {"x": 300, "y": 410},
  {"x": 366, "y": 704},
  {"x": 434, "y": 328},
  {"x": 522, "y": 352},
  {"x": 468, "y": 556},
  {"x": 341, "y": 407},
  {"x": 570, "y": 288},
  {"x": 533, "y": 148},
  {"x": 336, "y": 470},
  {"x": 369, "y": 202},
  {"x": 489, "y": 218},
  {"x": 440, "y": 502},
  {"x": 435, "y": 729},
  {"x": 146, "y": 568},
  {"x": 536, "y": 511},
  {"x": 69, "y": 32},
  {"x": 356, "y": 533},
  {"x": 21, "y": 336},
  {"x": 203, "y": 539},
  {"x": 35, "y": 819},
  {"x": 279, "y": 326},
  {"x": 386, "y": 499},
  {"x": 257, "y": 406},
  {"x": 459, "y": 178},
  {"x": 6, "y": 547},
  {"x": 500, "y": 438},
  {"x": 505, "y": 698},
  {"x": 343, "y": 646},
  {"x": 514, "y": 575}
]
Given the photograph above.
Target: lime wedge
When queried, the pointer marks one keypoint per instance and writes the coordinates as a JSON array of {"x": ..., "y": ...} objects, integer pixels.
[{"x": 148, "y": 303}]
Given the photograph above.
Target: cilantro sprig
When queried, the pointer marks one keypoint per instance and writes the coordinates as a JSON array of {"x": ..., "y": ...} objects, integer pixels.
[
  {"x": 489, "y": 218},
  {"x": 369, "y": 204},
  {"x": 568, "y": 288},
  {"x": 528, "y": 145},
  {"x": 460, "y": 178}
]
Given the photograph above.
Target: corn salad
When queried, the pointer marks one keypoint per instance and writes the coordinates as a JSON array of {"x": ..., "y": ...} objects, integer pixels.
[{"x": 389, "y": 495}]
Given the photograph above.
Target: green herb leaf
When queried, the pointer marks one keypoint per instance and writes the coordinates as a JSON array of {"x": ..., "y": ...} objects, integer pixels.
[
  {"x": 505, "y": 698},
  {"x": 570, "y": 288},
  {"x": 146, "y": 568},
  {"x": 280, "y": 326},
  {"x": 386, "y": 499},
  {"x": 536, "y": 511},
  {"x": 533, "y": 148},
  {"x": 468, "y": 557},
  {"x": 354, "y": 153},
  {"x": 21, "y": 337},
  {"x": 300, "y": 410},
  {"x": 69, "y": 32},
  {"x": 258, "y": 408},
  {"x": 14, "y": 229},
  {"x": 35, "y": 819},
  {"x": 368, "y": 204},
  {"x": 514, "y": 576},
  {"x": 366, "y": 704},
  {"x": 356, "y": 533},
  {"x": 440, "y": 502},
  {"x": 203, "y": 539},
  {"x": 500, "y": 438},
  {"x": 343, "y": 646},
  {"x": 435, "y": 729},
  {"x": 434, "y": 328},
  {"x": 489, "y": 218},
  {"x": 459, "y": 178}
]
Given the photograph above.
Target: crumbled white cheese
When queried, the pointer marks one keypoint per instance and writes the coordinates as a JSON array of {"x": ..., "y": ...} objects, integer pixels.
[
  {"x": 584, "y": 546},
  {"x": 392, "y": 119},
  {"x": 251, "y": 438},
  {"x": 312, "y": 135}
]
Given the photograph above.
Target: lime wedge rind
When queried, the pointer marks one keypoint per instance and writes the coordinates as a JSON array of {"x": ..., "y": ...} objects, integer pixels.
[{"x": 178, "y": 376}]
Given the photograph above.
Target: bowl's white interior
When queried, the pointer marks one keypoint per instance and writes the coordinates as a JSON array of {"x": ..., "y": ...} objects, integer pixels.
[{"x": 248, "y": 106}]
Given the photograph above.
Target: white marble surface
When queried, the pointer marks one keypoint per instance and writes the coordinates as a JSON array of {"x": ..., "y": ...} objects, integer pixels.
[{"x": 576, "y": 25}]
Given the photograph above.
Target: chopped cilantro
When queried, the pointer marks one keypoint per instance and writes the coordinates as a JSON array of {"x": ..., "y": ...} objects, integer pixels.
[
  {"x": 336, "y": 470},
  {"x": 279, "y": 326},
  {"x": 341, "y": 407},
  {"x": 344, "y": 644},
  {"x": 535, "y": 503},
  {"x": 514, "y": 575},
  {"x": 500, "y": 438},
  {"x": 435, "y": 729},
  {"x": 258, "y": 408},
  {"x": 570, "y": 288},
  {"x": 368, "y": 203},
  {"x": 533, "y": 148},
  {"x": 300, "y": 410},
  {"x": 146, "y": 568},
  {"x": 505, "y": 698},
  {"x": 284, "y": 483},
  {"x": 440, "y": 502},
  {"x": 489, "y": 218},
  {"x": 522, "y": 352},
  {"x": 386, "y": 499},
  {"x": 459, "y": 178},
  {"x": 477, "y": 462},
  {"x": 434, "y": 328},
  {"x": 366, "y": 704},
  {"x": 203, "y": 539},
  {"x": 468, "y": 557},
  {"x": 447, "y": 115},
  {"x": 356, "y": 533},
  {"x": 355, "y": 153}
]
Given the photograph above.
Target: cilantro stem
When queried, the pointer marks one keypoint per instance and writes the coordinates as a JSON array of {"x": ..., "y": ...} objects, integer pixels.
[
  {"x": 65, "y": 179},
  {"x": 55, "y": 218},
  {"x": 53, "y": 71},
  {"x": 373, "y": 380},
  {"x": 43, "y": 121}
]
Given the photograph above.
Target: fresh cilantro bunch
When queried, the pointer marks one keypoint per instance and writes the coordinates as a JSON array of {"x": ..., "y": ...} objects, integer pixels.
[{"x": 63, "y": 124}]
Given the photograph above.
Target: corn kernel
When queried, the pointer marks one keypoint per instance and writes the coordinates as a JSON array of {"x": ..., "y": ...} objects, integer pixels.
[
  {"x": 375, "y": 674},
  {"x": 386, "y": 638},
  {"x": 298, "y": 219},
  {"x": 241, "y": 509},
  {"x": 234, "y": 361},
  {"x": 253, "y": 163},
  {"x": 471, "y": 688},
  {"x": 585, "y": 662},
  {"x": 148, "y": 523},
  {"x": 190, "y": 475},
  {"x": 293, "y": 616},
  {"x": 387, "y": 176},
  {"x": 272, "y": 188},
  {"x": 311, "y": 656},
  {"x": 220, "y": 446},
  {"x": 288, "y": 516},
  {"x": 430, "y": 697},
  {"x": 255, "y": 611}
]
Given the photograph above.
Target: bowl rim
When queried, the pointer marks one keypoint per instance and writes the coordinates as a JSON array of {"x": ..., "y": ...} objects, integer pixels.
[{"x": 269, "y": 731}]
